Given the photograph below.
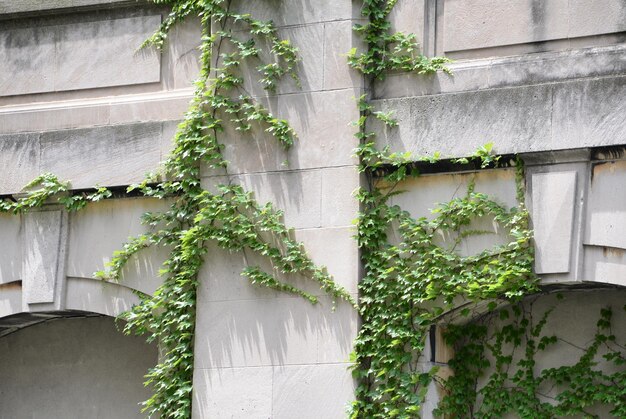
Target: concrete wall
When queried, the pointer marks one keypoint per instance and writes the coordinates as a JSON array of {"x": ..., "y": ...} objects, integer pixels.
[{"x": 73, "y": 368}]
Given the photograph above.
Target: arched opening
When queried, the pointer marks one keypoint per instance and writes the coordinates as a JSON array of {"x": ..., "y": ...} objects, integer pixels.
[{"x": 71, "y": 365}]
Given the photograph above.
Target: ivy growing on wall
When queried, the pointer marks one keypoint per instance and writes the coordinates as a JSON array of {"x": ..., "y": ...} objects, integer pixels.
[
  {"x": 507, "y": 343},
  {"x": 411, "y": 277}
]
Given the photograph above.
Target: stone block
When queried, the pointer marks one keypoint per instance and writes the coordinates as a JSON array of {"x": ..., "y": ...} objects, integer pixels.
[
  {"x": 312, "y": 391},
  {"x": 297, "y": 193},
  {"x": 10, "y": 299},
  {"x": 298, "y": 12},
  {"x": 43, "y": 258},
  {"x": 321, "y": 121},
  {"x": 589, "y": 17},
  {"x": 589, "y": 113},
  {"x": 232, "y": 393},
  {"x": 10, "y": 248},
  {"x": 108, "y": 156},
  {"x": 22, "y": 6},
  {"x": 335, "y": 248},
  {"x": 545, "y": 67},
  {"x": 101, "y": 297},
  {"x": 553, "y": 199},
  {"x": 489, "y": 23},
  {"x": 19, "y": 158},
  {"x": 101, "y": 228},
  {"x": 458, "y": 124},
  {"x": 275, "y": 331},
  {"x": 606, "y": 209},
  {"x": 339, "y": 38},
  {"x": 572, "y": 114},
  {"x": 339, "y": 207},
  {"x": 605, "y": 265},
  {"x": 78, "y": 56}
]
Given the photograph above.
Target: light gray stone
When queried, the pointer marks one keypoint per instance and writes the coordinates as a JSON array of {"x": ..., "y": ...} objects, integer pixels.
[
  {"x": 299, "y": 12},
  {"x": 21, "y": 6},
  {"x": 488, "y": 23},
  {"x": 232, "y": 393},
  {"x": 606, "y": 208},
  {"x": 605, "y": 265},
  {"x": 10, "y": 299},
  {"x": 84, "y": 113},
  {"x": 518, "y": 70},
  {"x": 321, "y": 121},
  {"x": 62, "y": 57},
  {"x": 573, "y": 114},
  {"x": 100, "y": 297},
  {"x": 339, "y": 206},
  {"x": 19, "y": 158},
  {"x": 43, "y": 258},
  {"x": 101, "y": 228},
  {"x": 10, "y": 248},
  {"x": 74, "y": 368},
  {"x": 118, "y": 155},
  {"x": 312, "y": 391},
  {"x": 275, "y": 331},
  {"x": 297, "y": 193},
  {"x": 339, "y": 38},
  {"x": 588, "y": 17},
  {"x": 553, "y": 197}
]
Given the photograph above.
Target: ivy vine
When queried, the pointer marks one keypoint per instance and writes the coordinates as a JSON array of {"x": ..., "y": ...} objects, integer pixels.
[
  {"x": 410, "y": 281},
  {"x": 512, "y": 340}
]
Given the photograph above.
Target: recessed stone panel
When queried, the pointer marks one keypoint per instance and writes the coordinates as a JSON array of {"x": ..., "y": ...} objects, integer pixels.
[
  {"x": 75, "y": 56},
  {"x": 553, "y": 197},
  {"x": 490, "y": 23}
]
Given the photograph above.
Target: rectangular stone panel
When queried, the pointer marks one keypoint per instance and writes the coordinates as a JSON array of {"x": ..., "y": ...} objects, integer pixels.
[
  {"x": 43, "y": 256},
  {"x": 108, "y": 156},
  {"x": 75, "y": 56},
  {"x": 553, "y": 198},
  {"x": 21, "y": 6},
  {"x": 490, "y": 23}
]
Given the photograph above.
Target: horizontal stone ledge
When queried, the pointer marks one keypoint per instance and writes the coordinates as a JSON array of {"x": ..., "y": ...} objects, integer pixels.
[
  {"x": 520, "y": 70},
  {"x": 574, "y": 114},
  {"x": 82, "y": 113},
  {"x": 107, "y": 156},
  {"x": 10, "y": 8}
]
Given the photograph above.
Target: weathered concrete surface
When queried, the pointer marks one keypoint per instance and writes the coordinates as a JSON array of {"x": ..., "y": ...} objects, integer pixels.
[
  {"x": 73, "y": 368},
  {"x": 515, "y": 70},
  {"x": 488, "y": 23},
  {"x": 61, "y": 57},
  {"x": 118, "y": 155},
  {"x": 568, "y": 115},
  {"x": 23, "y": 6}
]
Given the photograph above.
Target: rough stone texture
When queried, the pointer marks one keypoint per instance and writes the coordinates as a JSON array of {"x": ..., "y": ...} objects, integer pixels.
[
  {"x": 488, "y": 23},
  {"x": 567, "y": 115},
  {"x": 43, "y": 260},
  {"x": 74, "y": 369},
  {"x": 516, "y": 70},
  {"x": 553, "y": 209},
  {"x": 57, "y": 58}
]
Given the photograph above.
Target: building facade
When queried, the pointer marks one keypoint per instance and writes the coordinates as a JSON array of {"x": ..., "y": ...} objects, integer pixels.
[{"x": 545, "y": 81}]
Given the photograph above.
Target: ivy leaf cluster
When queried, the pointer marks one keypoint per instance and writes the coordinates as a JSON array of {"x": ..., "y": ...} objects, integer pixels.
[{"x": 506, "y": 343}]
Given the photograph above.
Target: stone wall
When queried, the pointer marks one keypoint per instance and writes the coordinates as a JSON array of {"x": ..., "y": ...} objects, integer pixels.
[{"x": 545, "y": 80}]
